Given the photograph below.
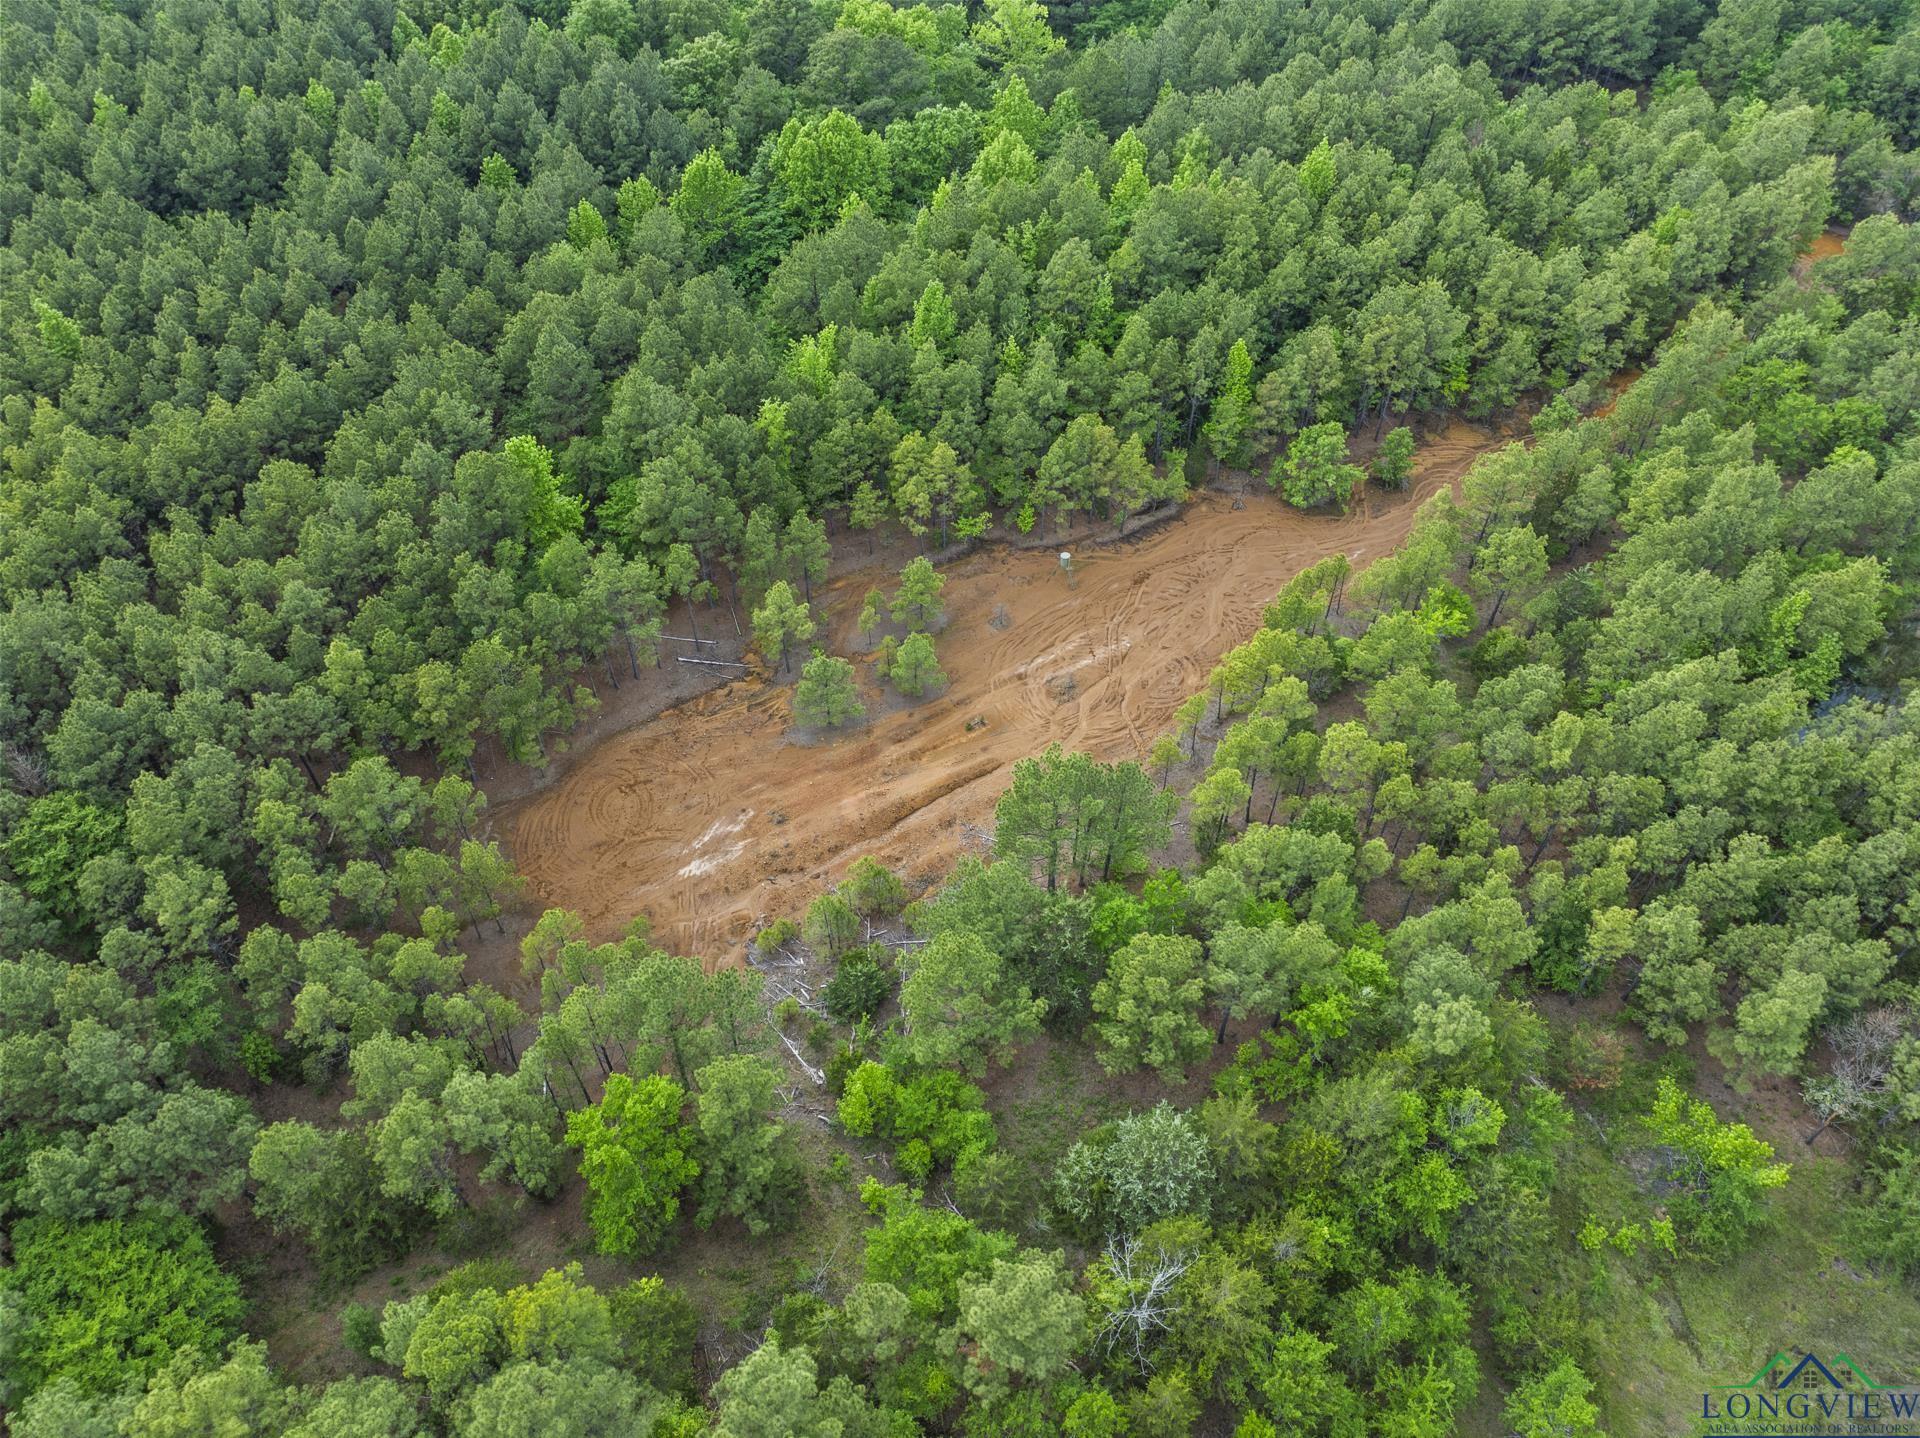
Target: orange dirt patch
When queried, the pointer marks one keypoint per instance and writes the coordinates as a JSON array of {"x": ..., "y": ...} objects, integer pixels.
[
  {"x": 1618, "y": 385},
  {"x": 710, "y": 821},
  {"x": 1828, "y": 243}
]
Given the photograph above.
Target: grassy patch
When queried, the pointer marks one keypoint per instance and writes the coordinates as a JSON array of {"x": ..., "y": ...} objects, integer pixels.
[
  {"x": 1658, "y": 1332},
  {"x": 1053, "y": 1096}
]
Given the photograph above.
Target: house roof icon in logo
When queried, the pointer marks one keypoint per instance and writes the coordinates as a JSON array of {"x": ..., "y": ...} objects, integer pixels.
[
  {"x": 1782, "y": 1372},
  {"x": 1807, "y": 1373}
]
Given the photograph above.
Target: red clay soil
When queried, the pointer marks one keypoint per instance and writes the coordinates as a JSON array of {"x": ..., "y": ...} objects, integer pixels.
[
  {"x": 712, "y": 820},
  {"x": 1826, "y": 244},
  {"x": 1616, "y": 386}
]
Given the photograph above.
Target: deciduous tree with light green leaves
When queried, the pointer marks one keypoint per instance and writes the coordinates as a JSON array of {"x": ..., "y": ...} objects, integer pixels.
[
  {"x": 822, "y": 162},
  {"x": 933, "y": 320},
  {"x": 708, "y": 200},
  {"x": 99, "y": 1304},
  {"x": 1554, "y": 1404},
  {"x": 636, "y": 1160},
  {"x": 931, "y": 486},
  {"x": 1016, "y": 31},
  {"x": 1719, "y": 1172},
  {"x": 550, "y": 510}
]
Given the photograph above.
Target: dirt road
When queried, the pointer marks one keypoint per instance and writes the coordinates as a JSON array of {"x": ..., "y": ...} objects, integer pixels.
[{"x": 710, "y": 821}]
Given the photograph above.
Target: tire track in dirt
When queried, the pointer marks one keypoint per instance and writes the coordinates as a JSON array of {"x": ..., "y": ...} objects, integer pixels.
[{"x": 711, "y": 822}]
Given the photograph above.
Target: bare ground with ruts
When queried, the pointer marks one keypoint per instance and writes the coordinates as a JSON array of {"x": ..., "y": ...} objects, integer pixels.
[{"x": 712, "y": 821}]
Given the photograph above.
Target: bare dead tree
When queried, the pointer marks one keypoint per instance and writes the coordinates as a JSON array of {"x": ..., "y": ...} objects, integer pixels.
[
  {"x": 1856, "y": 1081},
  {"x": 786, "y": 977},
  {"x": 1144, "y": 1276},
  {"x": 27, "y": 771},
  {"x": 823, "y": 1272},
  {"x": 818, "y": 1076},
  {"x": 801, "y": 993}
]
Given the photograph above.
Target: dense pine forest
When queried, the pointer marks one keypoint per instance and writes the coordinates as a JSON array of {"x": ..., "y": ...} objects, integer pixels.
[{"x": 1491, "y": 1007}]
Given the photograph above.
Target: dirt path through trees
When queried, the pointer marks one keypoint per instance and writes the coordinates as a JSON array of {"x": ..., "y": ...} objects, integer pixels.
[{"x": 710, "y": 821}]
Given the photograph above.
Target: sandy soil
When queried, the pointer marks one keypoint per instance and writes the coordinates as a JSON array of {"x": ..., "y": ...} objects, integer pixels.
[{"x": 711, "y": 820}]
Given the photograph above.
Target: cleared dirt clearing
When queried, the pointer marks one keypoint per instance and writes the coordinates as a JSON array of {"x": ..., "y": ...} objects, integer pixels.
[{"x": 710, "y": 821}]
